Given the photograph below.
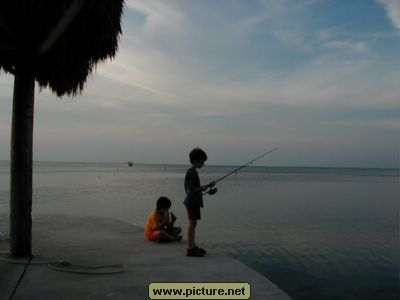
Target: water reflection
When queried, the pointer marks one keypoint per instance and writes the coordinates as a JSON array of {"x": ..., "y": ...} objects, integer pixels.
[{"x": 318, "y": 234}]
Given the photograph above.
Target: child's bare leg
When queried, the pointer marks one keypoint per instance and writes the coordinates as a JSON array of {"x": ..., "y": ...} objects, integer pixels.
[
  {"x": 192, "y": 250},
  {"x": 178, "y": 230},
  {"x": 191, "y": 233},
  {"x": 175, "y": 231},
  {"x": 166, "y": 237}
]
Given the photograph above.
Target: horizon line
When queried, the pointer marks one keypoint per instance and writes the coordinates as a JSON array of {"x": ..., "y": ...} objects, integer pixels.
[{"x": 211, "y": 165}]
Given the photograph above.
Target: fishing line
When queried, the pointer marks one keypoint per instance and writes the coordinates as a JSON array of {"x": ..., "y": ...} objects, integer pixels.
[{"x": 212, "y": 190}]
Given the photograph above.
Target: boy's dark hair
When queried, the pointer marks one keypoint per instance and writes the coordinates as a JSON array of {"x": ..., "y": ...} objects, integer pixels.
[
  {"x": 163, "y": 202},
  {"x": 197, "y": 155}
]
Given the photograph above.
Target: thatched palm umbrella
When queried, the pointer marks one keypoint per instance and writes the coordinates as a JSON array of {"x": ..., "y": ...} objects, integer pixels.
[{"x": 56, "y": 43}]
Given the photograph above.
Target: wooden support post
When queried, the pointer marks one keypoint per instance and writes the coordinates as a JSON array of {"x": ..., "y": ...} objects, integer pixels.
[{"x": 21, "y": 167}]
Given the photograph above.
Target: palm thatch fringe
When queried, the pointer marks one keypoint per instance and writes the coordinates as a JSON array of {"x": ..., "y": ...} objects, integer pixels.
[{"x": 58, "y": 42}]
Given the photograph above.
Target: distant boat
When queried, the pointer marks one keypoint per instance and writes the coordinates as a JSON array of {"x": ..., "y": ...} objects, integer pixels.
[{"x": 130, "y": 164}]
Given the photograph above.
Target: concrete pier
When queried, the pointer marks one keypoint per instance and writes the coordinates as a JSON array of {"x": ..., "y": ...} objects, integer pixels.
[{"x": 93, "y": 241}]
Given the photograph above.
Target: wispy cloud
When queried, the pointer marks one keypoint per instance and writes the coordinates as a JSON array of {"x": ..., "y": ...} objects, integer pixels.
[
  {"x": 387, "y": 124},
  {"x": 392, "y": 8},
  {"x": 391, "y": 125},
  {"x": 338, "y": 123},
  {"x": 159, "y": 15},
  {"x": 125, "y": 75},
  {"x": 293, "y": 38},
  {"x": 276, "y": 13},
  {"x": 346, "y": 45}
]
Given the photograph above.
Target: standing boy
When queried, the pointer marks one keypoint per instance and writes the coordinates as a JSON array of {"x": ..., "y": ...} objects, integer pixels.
[{"x": 194, "y": 198}]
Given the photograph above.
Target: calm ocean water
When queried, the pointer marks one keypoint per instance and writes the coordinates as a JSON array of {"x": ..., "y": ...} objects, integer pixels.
[{"x": 318, "y": 233}]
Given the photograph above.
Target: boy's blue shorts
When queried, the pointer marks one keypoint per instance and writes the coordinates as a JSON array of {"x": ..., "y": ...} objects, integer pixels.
[{"x": 193, "y": 212}]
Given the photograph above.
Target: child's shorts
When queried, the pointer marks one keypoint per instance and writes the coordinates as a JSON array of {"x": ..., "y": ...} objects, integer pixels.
[
  {"x": 154, "y": 235},
  {"x": 193, "y": 212}
]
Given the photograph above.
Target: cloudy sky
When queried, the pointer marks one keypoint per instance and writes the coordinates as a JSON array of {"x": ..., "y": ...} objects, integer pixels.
[{"x": 319, "y": 79}]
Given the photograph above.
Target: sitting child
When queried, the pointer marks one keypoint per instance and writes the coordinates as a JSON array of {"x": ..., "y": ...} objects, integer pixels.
[{"x": 160, "y": 225}]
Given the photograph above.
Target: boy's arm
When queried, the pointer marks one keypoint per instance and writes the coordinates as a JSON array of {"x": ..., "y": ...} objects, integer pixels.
[
  {"x": 196, "y": 190},
  {"x": 173, "y": 219},
  {"x": 166, "y": 221},
  {"x": 201, "y": 188}
]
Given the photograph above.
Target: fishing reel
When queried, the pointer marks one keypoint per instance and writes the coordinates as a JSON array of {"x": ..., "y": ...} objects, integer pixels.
[{"x": 212, "y": 191}]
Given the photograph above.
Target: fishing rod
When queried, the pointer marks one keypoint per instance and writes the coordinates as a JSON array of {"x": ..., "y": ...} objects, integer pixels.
[{"x": 212, "y": 191}]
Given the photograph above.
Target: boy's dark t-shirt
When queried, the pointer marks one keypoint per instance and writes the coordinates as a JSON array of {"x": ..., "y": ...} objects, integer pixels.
[{"x": 192, "y": 181}]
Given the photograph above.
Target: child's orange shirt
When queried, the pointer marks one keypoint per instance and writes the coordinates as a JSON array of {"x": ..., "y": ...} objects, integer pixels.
[{"x": 154, "y": 221}]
